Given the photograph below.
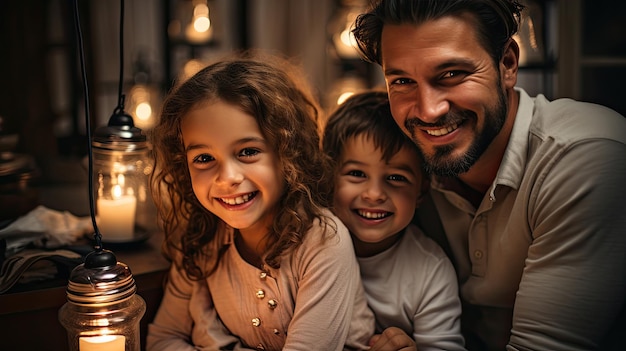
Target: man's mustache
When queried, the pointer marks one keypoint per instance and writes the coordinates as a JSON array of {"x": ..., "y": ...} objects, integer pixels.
[{"x": 445, "y": 120}]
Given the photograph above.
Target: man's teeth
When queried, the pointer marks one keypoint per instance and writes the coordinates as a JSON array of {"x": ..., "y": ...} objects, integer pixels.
[
  {"x": 372, "y": 215},
  {"x": 443, "y": 131},
  {"x": 237, "y": 200}
]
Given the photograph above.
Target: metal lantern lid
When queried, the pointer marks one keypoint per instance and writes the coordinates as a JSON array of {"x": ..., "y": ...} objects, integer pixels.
[
  {"x": 101, "y": 280},
  {"x": 120, "y": 135}
]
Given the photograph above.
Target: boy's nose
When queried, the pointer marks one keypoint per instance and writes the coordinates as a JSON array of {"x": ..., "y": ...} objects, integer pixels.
[{"x": 374, "y": 192}]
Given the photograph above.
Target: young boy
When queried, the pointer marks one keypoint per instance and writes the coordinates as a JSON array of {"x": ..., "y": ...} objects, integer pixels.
[{"x": 409, "y": 282}]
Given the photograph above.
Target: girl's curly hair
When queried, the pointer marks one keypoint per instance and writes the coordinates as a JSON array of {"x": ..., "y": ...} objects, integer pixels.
[{"x": 272, "y": 90}]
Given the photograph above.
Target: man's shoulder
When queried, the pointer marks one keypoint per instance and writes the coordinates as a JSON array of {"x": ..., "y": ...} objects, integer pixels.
[{"x": 570, "y": 120}]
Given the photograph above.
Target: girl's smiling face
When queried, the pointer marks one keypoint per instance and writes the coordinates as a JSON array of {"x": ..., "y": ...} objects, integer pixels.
[
  {"x": 374, "y": 198},
  {"x": 234, "y": 171}
]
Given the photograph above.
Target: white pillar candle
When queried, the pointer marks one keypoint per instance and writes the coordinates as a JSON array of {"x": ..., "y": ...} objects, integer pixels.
[
  {"x": 102, "y": 343},
  {"x": 116, "y": 218}
]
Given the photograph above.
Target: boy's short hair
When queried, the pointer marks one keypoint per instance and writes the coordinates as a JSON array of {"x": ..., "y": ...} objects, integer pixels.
[{"x": 367, "y": 113}]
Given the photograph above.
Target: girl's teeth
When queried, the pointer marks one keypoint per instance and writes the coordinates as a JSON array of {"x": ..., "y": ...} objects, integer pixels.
[
  {"x": 237, "y": 200},
  {"x": 443, "y": 131}
]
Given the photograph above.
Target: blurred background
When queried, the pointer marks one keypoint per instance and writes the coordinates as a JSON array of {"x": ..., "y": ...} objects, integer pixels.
[{"x": 570, "y": 48}]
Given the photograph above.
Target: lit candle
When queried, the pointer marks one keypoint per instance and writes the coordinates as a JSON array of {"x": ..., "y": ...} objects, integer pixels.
[
  {"x": 102, "y": 343},
  {"x": 116, "y": 217}
]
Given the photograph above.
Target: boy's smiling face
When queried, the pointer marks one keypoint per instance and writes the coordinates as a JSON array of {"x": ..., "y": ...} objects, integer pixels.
[{"x": 374, "y": 198}]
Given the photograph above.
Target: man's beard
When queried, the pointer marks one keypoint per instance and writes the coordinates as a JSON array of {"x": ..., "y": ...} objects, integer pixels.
[{"x": 442, "y": 163}]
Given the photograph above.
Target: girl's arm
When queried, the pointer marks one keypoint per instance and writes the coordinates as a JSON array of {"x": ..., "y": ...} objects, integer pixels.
[
  {"x": 186, "y": 318},
  {"x": 331, "y": 310}
]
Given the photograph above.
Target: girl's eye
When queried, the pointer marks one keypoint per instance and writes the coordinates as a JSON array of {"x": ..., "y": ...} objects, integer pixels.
[
  {"x": 249, "y": 152},
  {"x": 203, "y": 158}
]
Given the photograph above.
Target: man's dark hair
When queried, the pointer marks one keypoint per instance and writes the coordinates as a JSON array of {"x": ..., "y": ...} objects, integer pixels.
[{"x": 496, "y": 21}]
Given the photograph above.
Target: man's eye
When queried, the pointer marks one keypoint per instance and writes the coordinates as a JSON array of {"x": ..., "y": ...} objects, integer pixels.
[
  {"x": 401, "y": 81},
  {"x": 453, "y": 74},
  {"x": 203, "y": 158}
]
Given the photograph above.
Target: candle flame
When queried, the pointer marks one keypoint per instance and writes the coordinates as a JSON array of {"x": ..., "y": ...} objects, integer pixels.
[
  {"x": 116, "y": 192},
  {"x": 121, "y": 180}
]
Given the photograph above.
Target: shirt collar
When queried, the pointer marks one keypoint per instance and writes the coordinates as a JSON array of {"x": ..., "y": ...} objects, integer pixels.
[{"x": 513, "y": 163}]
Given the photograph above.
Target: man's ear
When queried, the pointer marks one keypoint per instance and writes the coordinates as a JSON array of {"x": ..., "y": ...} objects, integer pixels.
[{"x": 509, "y": 64}]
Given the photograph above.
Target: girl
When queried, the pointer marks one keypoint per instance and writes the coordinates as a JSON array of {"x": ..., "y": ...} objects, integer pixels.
[{"x": 240, "y": 184}]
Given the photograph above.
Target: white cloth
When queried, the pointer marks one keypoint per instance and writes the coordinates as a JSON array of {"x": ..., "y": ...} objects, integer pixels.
[{"x": 45, "y": 228}]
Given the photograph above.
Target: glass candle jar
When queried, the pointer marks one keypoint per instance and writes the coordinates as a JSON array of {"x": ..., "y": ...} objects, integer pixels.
[
  {"x": 103, "y": 312},
  {"x": 121, "y": 168}
]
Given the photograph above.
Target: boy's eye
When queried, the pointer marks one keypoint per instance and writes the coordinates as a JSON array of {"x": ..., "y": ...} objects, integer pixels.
[
  {"x": 397, "y": 178},
  {"x": 203, "y": 158},
  {"x": 356, "y": 173}
]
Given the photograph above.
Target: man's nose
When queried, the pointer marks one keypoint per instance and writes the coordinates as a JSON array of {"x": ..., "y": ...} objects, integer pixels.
[{"x": 430, "y": 104}]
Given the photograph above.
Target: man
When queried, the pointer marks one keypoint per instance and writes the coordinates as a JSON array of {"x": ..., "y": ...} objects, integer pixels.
[{"x": 530, "y": 192}]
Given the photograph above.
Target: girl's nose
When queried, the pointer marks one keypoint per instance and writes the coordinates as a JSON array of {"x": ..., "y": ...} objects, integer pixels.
[{"x": 229, "y": 174}]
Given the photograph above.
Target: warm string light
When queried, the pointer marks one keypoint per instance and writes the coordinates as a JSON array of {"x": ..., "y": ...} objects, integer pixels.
[
  {"x": 344, "y": 41},
  {"x": 193, "y": 23}
]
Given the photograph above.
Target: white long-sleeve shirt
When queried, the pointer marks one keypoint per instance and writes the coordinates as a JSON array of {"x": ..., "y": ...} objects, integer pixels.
[{"x": 412, "y": 286}]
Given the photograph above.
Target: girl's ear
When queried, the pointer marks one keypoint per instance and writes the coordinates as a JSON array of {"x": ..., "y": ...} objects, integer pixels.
[{"x": 509, "y": 64}]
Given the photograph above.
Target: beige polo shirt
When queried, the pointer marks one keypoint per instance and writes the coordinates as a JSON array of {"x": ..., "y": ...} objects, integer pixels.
[{"x": 542, "y": 261}]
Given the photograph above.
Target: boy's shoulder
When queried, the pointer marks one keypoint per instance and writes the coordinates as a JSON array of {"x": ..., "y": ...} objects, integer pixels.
[{"x": 421, "y": 244}]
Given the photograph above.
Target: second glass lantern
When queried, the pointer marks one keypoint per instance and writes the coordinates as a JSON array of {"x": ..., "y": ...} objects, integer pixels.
[
  {"x": 121, "y": 167},
  {"x": 103, "y": 311}
]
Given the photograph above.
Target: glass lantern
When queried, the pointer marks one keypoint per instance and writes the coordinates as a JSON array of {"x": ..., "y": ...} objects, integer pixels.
[
  {"x": 103, "y": 312},
  {"x": 121, "y": 168}
]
